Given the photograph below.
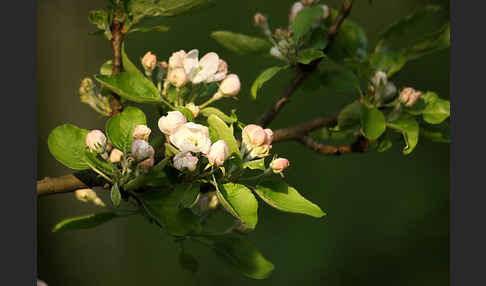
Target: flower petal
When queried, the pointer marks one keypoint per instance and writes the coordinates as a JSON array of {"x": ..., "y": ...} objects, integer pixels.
[{"x": 191, "y": 62}]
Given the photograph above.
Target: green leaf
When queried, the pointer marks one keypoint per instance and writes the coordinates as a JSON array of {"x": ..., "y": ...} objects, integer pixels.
[
  {"x": 437, "y": 109},
  {"x": 334, "y": 137},
  {"x": 265, "y": 76},
  {"x": 239, "y": 202},
  {"x": 437, "y": 132},
  {"x": 188, "y": 262},
  {"x": 304, "y": 20},
  {"x": 225, "y": 133},
  {"x": 240, "y": 43},
  {"x": 373, "y": 122},
  {"x": 286, "y": 198},
  {"x": 167, "y": 8},
  {"x": 389, "y": 62},
  {"x": 384, "y": 143},
  {"x": 107, "y": 68},
  {"x": 165, "y": 208},
  {"x": 350, "y": 115},
  {"x": 186, "y": 112},
  {"x": 120, "y": 127},
  {"x": 258, "y": 164},
  {"x": 160, "y": 29},
  {"x": 84, "y": 222},
  {"x": 67, "y": 144},
  {"x": 208, "y": 111},
  {"x": 337, "y": 79},
  {"x": 91, "y": 158},
  {"x": 409, "y": 127},
  {"x": 350, "y": 42},
  {"x": 190, "y": 196},
  {"x": 102, "y": 20},
  {"x": 115, "y": 195},
  {"x": 134, "y": 87},
  {"x": 241, "y": 255},
  {"x": 128, "y": 65},
  {"x": 309, "y": 55}
]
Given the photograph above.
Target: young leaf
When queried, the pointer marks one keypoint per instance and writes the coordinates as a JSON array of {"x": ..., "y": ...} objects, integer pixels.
[
  {"x": 162, "y": 29},
  {"x": 186, "y": 112},
  {"x": 285, "y": 198},
  {"x": 84, "y": 222},
  {"x": 436, "y": 110},
  {"x": 208, "y": 111},
  {"x": 239, "y": 202},
  {"x": 119, "y": 128},
  {"x": 350, "y": 42},
  {"x": 225, "y": 133},
  {"x": 241, "y": 255},
  {"x": 67, "y": 144},
  {"x": 437, "y": 132},
  {"x": 92, "y": 160},
  {"x": 190, "y": 196},
  {"x": 132, "y": 86},
  {"x": 309, "y": 55},
  {"x": 265, "y": 76},
  {"x": 409, "y": 127},
  {"x": 107, "y": 68},
  {"x": 389, "y": 62},
  {"x": 258, "y": 164},
  {"x": 115, "y": 195},
  {"x": 350, "y": 115},
  {"x": 304, "y": 20},
  {"x": 167, "y": 8},
  {"x": 337, "y": 79},
  {"x": 373, "y": 122},
  {"x": 128, "y": 65},
  {"x": 241, "y": 44}
]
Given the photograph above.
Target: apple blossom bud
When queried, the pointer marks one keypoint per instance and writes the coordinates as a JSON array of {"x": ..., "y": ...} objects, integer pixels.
[
  {"x": 268, "y": 137},
  {"x": 218, "y": 153},
  {"x": 147, "y": 163},
  {"x": 96, "y": 141},
  {"x": 149, "y": 61},
  {"x": 193, "y": 108},
  {"x": 409, "y": 96},
  {"x": 279, "y": 164},
  {"x": 142, "y": 150},
  {"x": 85, "y": 195},
  {"x": 141, "y": 132},
  {"x": 97, "y": 201},
  {"x": 164, "y": 65},
  {"x": 275, "y": 52},
  {"x": 41, "y": 283},
  {"x": 379, "y": 79},
  {"x": 115, "y": 155},
  {"x": 230, "y": 86},
  {"x": 177, "y": 60},
  {"x": 307, "y": 2},
  {"x": 325, "y": 11},
  {"x": 254, "y": 135},
  {"x": 169, "y": 123},
  {"x": 296, "y": 8},
  {"x": 259, "y": 20},
  {"x": 185, "y": 160},
  {"x": 177, "y": 77}
]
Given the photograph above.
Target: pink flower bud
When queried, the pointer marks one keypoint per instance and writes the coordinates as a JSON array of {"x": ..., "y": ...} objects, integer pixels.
[
  {"x": 177, "y": 60},
  {"x": 41, "y": 283},
  {"x": 218, "y": 153},
  {"x": 230, "y": 86},
  {"x": 164, "y": 65},
  {"x": 149, "y": 61},
  {"x": 85, "y": 195},
  {"x": 185, "y": 160},
  {"x": 254, "y": 135},
  {"x": 177, "y": 77},
  {"x": 409, "y": 96},
  {"x": 147, "y": 163},
  {"x": 141, "y": 132},
  {"x": 279, "y": 164},
  {"x": 268, "y": 137},
  {"x": 115, "y": 155},
  {"x": 142, "y": 150},
  {"x": 96, "y": 141},
  {"x": 259, "y": 20},
  {"x": 193, "y": 108},
  {"x": 296, "y": 8},
  {"x": 169, "y": 123}
]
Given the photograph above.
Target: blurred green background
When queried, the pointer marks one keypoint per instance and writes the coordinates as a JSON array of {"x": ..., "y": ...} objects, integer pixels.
[{"x": 388, "y": 214}]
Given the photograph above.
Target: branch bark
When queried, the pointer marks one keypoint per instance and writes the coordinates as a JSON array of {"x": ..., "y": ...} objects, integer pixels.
[
  {"x": 361, "y": 145},
  {"x": 297, "y": 131},
  {"x": 117, "y": 37}
]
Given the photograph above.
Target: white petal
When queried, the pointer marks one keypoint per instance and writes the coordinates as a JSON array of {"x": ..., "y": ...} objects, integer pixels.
[
  {"x": 209, "y": 64},
  {"x": 191, "y": 62}
]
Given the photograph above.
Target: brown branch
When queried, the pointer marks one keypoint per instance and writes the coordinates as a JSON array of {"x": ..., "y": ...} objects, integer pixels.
[
  {"x": 303, "y": 71},
  {"x": 297, "y": 131},
  {"x": 117, "y": 36},
  {"x": 359, "y": 146},
  {"x": 64, "y": 184}
]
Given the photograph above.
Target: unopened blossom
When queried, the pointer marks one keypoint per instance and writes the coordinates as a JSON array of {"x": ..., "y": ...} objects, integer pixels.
[
  {"x": 218, "y": 153},
  {"x": 177, "y": 60},
  {"x": 147, "y": 163},
  {"x": 85, "y": 195},
  {"x": 259, "y": 20},
  {"x": 177, "y": 77},
  {"x": 141, "y": 132},
  {"x": 96, "y": 140},
  {"x": 191, "y": 137},
  {"x": 41, "y": 283},
  {"x": 149, "y": 61},
  {"x": 268, "y": 137},
  {"x": 200, "y": 70},
  {"x": 257, "y": 141},
  {"x": 379, "y": 79},
  {"x": 279, "y": 164},
  {"x": 294, "y": 10},
  {"x": 230, "y": 86},
  {"x": 193, "y": 108},
  {"x": 220, "y": 73},
  {"x": 185, "y": 160},
  {"x": 325, "y": 11},
  {"x": 409, "y": 96},
  {"x": 275, "y": 52},
  {"x": 97, "y": 201},
  {"x": 115, "y": 155},
  {"x": 142, "y": 150},
  {"x": 169, "y": 123}
]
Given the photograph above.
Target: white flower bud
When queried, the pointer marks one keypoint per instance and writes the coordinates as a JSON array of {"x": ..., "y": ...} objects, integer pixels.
[
  {"x": 149, "y": 61},
  {"x": 141, "y": 132},
  {"x": 218, "y": 153},
  {"x": 97, "y": 201},
  {"x": 185, "y": 160},
  {"x": 296, "y": 8},
  {"x": 193, "y": 108},
  {"x": 142, "y": 150},
  {"x": 191, "y": 137},
  {"x": 259, "y": 20},
  {"x": 177, "y": 77},
  {"x": 177, "y": 60},
  {"x": 85, "y": 195},
  {"x": 380, "y": 79},
  {"x": 279, "y": 164},
  {"x": 96, "y": 141},
  {"x": 230, "y": 86},
  {"x": 275, "y": 52},
  {"x": 254, "y": 135},
  {"x": 325, "y": 11},
  {"x": 169, "y": 123},
  {"x": 115, "y": 155}
]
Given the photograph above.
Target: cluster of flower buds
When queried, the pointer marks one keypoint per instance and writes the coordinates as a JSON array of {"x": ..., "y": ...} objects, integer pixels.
[
  {"x": 149, "y": 62},
  {"x": 409, "y": 96},
  {"x": 88, "y": 195},
  {"x": 256, "y": 141},
  {"x": 90, "y": 95},
  {"x": 191, "y": 139}
]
